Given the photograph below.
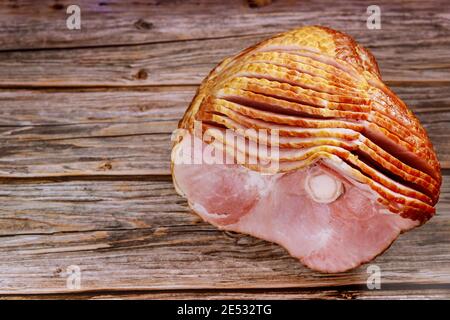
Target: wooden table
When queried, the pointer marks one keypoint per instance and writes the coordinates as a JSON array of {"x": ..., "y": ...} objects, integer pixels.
[{"x": 85, "y": 123}]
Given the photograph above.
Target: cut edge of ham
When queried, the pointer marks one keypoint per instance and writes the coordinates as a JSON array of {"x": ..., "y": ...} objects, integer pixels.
[{"x": 328, "y": 237}]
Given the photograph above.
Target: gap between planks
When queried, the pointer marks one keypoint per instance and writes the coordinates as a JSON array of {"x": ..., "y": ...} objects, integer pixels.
[
  {"x": 137, "y": 86},
  {"x": 345, "y": 292},
  {"x": 144, "y": 43}
]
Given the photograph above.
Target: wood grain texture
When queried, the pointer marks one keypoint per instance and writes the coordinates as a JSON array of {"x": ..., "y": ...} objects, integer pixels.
[
  {"x": 85, "y": 124},
  {"x": 155, "y": 58},
  {"x": 139, "y": 235},
  {"x": 388, "y": 292},
  {"x": 128, "y": 132},
  {"x": 27, "y": 25},
  {"x": 187, "y": 62}
]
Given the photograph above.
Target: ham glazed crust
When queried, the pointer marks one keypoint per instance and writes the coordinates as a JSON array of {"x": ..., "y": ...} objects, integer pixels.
[{"x": 314, "y": 59}]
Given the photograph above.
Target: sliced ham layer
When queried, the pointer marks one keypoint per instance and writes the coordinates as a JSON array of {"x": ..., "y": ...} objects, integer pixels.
[
  {"x": 379, "y": 96},
  {"x": 386, "y": 187},
  {"x": 394, "y": 132},
  {"x": 295, "y": 149},
  {"x": 326, "y": 237},
  {"x": 306, "y": 127},
  {"x": 302, "y": 95},
  {"x": 295, "y": 78},
  {"x": 380, "y": 113},
  {"x": 307, "y": 65}
]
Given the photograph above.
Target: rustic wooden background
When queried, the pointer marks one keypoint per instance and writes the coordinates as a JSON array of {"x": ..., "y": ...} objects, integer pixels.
[{"x": 85, "y": 123}]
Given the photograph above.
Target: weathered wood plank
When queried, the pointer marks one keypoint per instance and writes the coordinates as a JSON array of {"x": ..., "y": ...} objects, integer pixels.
[
  {"x": 93, "y": 132},
  {"x": 131, "y": 235},
  {"x": 139, "y": 235},
  {"x": 89, "y": 133},
  {"x": 29, "y": 24},
  {"x": 188, "y": 62},
  {"x": 414, "y": 292},
  {"x": 145, "y": 153},
  {"x": 83, "y": 206},
  {"x": 128, "y": 105},
  {"x": 358, "y": 293},
  {"x": 63, "y": 106}
]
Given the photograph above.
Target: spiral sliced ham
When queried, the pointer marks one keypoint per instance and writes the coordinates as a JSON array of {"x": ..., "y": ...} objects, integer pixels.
[{"x": 297, "y": 141}]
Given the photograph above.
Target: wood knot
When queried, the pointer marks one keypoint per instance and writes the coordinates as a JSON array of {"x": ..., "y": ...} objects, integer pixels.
[
  {"x": 142, "y": 108},
  {"x": 58, "y": 6},
  {"x": 258, "y": 3},
  {"x": 143, "y": 25},
  {"x": 141, "y": 74},
  {"x": 58, "y": 271},
  {"x": 105, "y": 166}
]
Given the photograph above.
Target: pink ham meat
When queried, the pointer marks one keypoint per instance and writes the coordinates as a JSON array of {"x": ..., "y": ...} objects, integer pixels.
[
  {"x": 354, "y": 167},
  {"x": 329, "y": 238}
]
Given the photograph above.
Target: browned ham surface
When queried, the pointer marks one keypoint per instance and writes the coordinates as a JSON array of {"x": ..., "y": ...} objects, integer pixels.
[{"x": 297, "y": 141}]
